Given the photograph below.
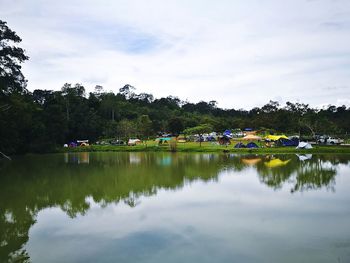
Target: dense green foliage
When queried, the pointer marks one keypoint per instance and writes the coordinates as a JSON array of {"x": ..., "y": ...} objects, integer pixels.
[
  {"x": 44, "y": 119},
  {"x": 40, "y": 120}
]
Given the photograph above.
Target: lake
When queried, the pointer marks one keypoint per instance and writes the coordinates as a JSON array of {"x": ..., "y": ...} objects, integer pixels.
[{"x": 163, "y": 207}]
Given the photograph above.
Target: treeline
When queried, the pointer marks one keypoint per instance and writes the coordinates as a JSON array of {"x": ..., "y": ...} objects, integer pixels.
[{"x": 41, "y": 120}]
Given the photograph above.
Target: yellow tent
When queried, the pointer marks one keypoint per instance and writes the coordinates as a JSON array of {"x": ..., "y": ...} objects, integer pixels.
[
  {"x": 251, "y": 137},
  {"x": 275, "y": 137},
  {"x": 276, "y": 163}
]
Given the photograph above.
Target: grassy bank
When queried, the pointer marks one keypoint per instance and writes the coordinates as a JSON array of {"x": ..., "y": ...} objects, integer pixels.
[{"x": 206, "y": 147}]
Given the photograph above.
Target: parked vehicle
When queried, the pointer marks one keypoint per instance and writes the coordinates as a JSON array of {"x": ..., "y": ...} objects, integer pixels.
[
  {"x": 329, "y": 140},
  {"x": 117, "y": 142}
]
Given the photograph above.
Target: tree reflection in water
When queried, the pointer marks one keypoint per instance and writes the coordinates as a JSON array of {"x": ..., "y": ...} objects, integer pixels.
[
  {"x": 33, "y": 183},
  {"x": 310, "y": 173}
]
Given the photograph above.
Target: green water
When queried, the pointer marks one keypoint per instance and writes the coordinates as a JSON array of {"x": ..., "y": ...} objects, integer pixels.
[{"x": 162, "y": 207}]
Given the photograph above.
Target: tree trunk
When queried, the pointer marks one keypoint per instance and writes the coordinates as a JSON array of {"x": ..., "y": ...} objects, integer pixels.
[{"x": 7, "y": 157}]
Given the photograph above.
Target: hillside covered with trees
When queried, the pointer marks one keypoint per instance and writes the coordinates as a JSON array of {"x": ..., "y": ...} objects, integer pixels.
[{"x": 41, "y": 120}]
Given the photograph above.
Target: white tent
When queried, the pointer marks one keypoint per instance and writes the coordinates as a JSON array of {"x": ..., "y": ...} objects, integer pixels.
[
  {"x": 133, "y": 142},
  {"x": 304, "y": 145}
]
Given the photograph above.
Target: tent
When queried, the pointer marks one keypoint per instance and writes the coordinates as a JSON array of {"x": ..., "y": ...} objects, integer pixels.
[
  {"x": 288, "y": 142},
  {"x": 73, "y": 144},
  {"x": 228, "y": 134},
  {"x": 276, "y": 137},
  {"x": 240, "y": 145},
  {"x": 133, "y": 142},
  {"x": 304, "y": 145},
  {"x": 295, "y": 141},
  {"x": 224, "y": 140},
  {"x": 252, "y": 145},
  {"x": 251, "y": 137}
]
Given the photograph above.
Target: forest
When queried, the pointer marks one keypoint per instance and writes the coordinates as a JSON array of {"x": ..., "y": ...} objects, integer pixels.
[{"x": 42, "y": 120}]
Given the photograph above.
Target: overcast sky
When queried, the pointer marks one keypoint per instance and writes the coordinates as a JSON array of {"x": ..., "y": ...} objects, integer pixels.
[{"x": 239, "y": 53}]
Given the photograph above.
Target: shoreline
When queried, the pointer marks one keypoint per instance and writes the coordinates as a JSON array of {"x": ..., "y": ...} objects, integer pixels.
[{"x": 212, "y": 149}]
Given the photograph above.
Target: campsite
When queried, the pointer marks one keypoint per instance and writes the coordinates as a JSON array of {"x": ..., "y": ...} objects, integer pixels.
[
  {"x": 215, "y": 143},
  {"x": 174, "y": 131}
]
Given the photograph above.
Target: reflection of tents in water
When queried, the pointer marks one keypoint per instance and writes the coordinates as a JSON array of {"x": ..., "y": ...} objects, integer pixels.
[
  {"x": 304, "y": 157},
  {"x": 134, "y": 158},
  {"x": 164, "y": 160},
  {"x": 276, "y": 163},
  {"x": 77, "y": 158},
  {"x": 251, "y": 161}
]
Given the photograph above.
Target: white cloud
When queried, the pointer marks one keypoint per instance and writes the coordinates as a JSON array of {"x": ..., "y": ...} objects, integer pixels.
[{"x": 241, "y": 54}]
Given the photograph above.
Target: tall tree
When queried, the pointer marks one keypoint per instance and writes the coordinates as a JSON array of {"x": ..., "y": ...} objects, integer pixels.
[
  {"x": 200, "y": 130},
  {"x": 11, "y": 57},
  {"x": 15, "y": 108},
  {"x": 175, "y": 125},
  {"x": 144, "y": 125}
]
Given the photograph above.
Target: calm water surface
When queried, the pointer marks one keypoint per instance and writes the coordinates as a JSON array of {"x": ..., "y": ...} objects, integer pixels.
[{"x": 159, "y": 207}]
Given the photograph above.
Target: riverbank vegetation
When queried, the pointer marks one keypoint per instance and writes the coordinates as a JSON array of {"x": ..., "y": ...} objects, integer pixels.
[{"x": 151, "y": 146}]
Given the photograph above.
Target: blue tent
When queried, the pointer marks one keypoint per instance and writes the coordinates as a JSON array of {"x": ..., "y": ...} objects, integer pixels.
[
  {"x": 295, "y": 141},
  {"x": 211, "y": 139},
  {"x": 240, "y": 145},
  {"x": 227, "y": 133},
  {"x": 252, "y": 145},
  {"x": 287, "y": 142},
  {"x": 73, "y": 144}
]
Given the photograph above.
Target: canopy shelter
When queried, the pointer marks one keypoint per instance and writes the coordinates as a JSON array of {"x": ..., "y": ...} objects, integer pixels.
[
  {"x": 276, "y": 137},
  {"x": 251, "y": 137},
  {"x": 249, "y": 131},
  {"x": 163, "y": 140},
  {"x": 83, "y": 142}
]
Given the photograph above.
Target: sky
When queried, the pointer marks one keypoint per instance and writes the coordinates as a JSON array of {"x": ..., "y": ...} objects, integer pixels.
[{"x": 240, "y": 53}]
